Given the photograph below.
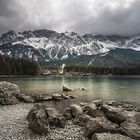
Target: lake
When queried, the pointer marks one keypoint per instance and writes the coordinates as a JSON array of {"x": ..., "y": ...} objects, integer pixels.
[{"x": 99, "y": 87}]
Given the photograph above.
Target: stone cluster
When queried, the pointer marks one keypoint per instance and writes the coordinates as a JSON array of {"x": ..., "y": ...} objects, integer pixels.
[{"x": 100, "y": 120}]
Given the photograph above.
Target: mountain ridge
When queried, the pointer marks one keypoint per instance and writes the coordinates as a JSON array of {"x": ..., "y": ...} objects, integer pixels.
[{"x": 46, "y": 45}]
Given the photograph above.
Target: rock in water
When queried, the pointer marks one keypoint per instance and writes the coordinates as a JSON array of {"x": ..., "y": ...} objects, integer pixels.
[
  {"x": 76, "y": 110},
  {"x": 47, "y": 98},
  {"x": 24, "y": 98},
  {"x": 108, "y": 136},
  {"x": 9, "y": 89},
  {"x": 27, "y": 99},
  {"x": 65, "y": 96},
  {"x": 66, "y": 88},
  {"x": 57, "y": 96},
  {"x": 37, "y": 97},
  {"x": 82, "y": 89},
  {"x": 8, "y": 92}
]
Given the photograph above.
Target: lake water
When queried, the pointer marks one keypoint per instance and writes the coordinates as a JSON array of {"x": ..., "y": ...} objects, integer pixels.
[{"x": 102, "y": 87}]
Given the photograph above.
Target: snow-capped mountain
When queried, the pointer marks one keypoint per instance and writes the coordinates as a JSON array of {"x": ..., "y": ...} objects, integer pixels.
[{"x": 46, "y": 45}]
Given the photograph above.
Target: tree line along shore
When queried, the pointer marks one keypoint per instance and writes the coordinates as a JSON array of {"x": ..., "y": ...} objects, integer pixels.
[{"x": 19, "y": 66}]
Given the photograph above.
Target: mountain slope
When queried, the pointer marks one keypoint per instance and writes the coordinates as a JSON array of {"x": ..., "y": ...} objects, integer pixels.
[{"x": 46, "y": 45}]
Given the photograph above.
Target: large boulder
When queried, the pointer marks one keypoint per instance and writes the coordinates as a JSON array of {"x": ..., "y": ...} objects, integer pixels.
[
  {"x": 131, "y": 127},
  {"x": 55, "y": 118},
  {"x": 92, "y": 110},
  {"x": 38, "y": 121},
  {"x": 76, "y": 110},
  {"x": 108, "y": 136},
  {"x": 9, "y": 89},
  {"x": 99, "y": 125},
  {"x": 114, "y": 114},
  {"x": 8, "y": 92},
  {"x": 66, "y": 88}
]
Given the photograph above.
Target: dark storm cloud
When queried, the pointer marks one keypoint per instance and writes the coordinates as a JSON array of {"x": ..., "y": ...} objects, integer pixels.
[{"x": 84, "y": 16}]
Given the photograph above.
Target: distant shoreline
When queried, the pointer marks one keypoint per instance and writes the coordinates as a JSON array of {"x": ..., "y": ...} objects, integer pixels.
[{"x": 80, "y": 75}]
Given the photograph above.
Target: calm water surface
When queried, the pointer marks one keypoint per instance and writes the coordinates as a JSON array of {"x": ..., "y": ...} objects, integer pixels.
[{"x": 102, "y": 87}]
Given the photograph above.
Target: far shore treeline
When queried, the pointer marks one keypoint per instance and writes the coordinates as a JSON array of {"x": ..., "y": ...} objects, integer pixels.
[
  {"x": 17, "y": 66},
  {"x": 99, "y": 70},
  {"x": 104, "y": 70}
]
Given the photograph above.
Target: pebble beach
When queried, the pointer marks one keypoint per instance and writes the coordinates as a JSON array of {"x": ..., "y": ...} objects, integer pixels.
[{"x": 14, "y": 126}]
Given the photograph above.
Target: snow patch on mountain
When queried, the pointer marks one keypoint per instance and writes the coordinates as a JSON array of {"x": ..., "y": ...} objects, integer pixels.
[{"x": 46, "y": 45}]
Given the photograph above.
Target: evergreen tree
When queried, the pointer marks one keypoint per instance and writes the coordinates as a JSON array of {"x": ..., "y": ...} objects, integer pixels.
[{"x": 12, "y": 66}]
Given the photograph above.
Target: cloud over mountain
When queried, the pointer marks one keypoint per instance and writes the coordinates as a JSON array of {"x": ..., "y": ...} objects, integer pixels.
[{"x": 90, "y": 16}]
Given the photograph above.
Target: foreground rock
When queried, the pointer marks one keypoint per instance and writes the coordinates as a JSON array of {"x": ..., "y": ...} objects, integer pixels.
[
  {"x": 8, "y": 92},
  {"x": 76, "y": 110},
  {"x": 55, "y": 118},
  {"x": 8, "y": 100},
  {"x": 66, "y": 88},
  {"x": 41, "y": 118},
  {"x": 25, "y": 98},
  {"x": 14, "y": 126},
  {"x": 99, "y": 125},
  {"x": 92, "y": 110},
  {"x": 114, "y": 114},
  {"x": 100, "y": 120},
  {"x": 108, "y": 136},
  {"x": 9, "y": 89},
  {"x": 38, "y": 121},
  {"x": 110, "y": 117},
  {"x": 131, "y": 127}
]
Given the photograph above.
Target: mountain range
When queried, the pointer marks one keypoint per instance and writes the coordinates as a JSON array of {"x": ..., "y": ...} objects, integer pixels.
[{"x": 47, "y": 46}]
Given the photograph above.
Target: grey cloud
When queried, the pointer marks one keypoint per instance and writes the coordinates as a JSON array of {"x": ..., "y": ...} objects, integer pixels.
[
  {"x": 82, "y": 16},
  {"x": 10, "y": 16}
]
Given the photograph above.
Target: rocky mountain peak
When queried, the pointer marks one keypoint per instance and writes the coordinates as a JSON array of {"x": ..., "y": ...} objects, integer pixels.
[{"x": 45, "y": 45}]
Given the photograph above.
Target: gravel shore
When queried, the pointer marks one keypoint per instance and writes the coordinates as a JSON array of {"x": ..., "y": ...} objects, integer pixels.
[{"x": 14, "y": 126}]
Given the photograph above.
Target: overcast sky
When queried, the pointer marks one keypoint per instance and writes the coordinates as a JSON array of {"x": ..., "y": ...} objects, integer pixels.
[{"x": 120, "y": 17}]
